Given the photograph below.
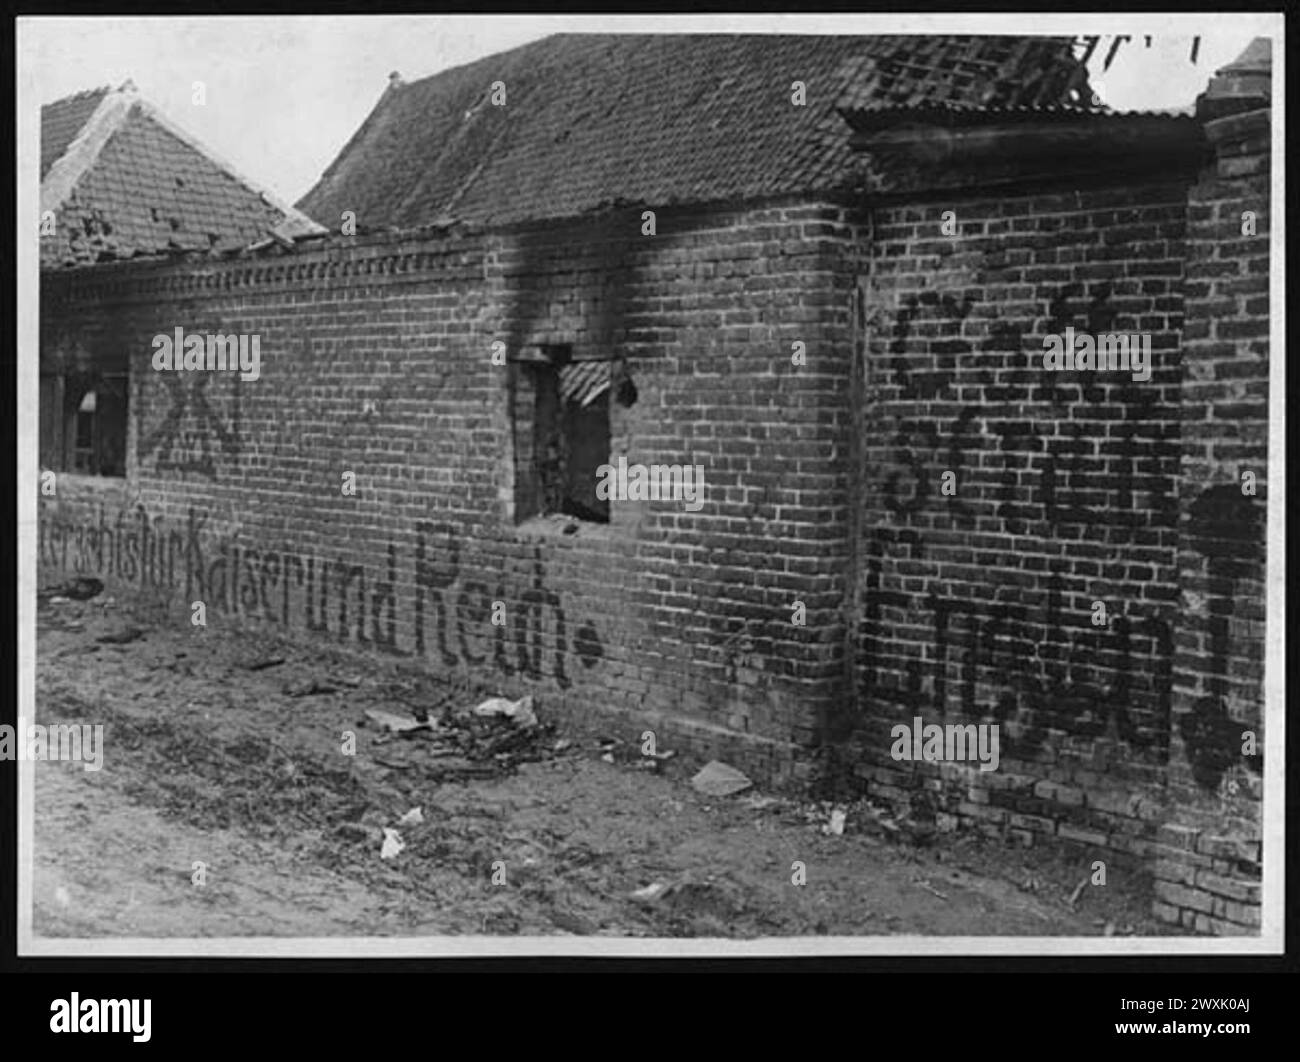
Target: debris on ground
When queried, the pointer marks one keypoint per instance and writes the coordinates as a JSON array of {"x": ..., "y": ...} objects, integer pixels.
[
  {"x": 264, "y": 663},
  {"x": 653, "y": 761},
  {"x": 123, "y": 637},
  {"x": 397, "y": 724},
  {"x": 76, "y": 650},
  {"x": 716, "y": 779},
  {"x": 393, "y": 844},
  {"x": 572, "y": 923},
  {"x": 82, "y": 588},
  {"x": 519, "y": 712},
  {"x": 639, "y": 760},
  {"x": 1074, "y": 896},
  {"x": 835, "y": 827},
  {"x": 352, "y": 831},
  {"x": 931, "y": 889},
  {"x": 632, "y": 754},
  {"x": 294, "y": 810},
  {"x": 465, "y": 745},
  {"x": 919, "y": 833},
  {"x": 689, "y": 907},
  {"x": 461, "y": 769},
  {"x": 419, "y": 702},
  {"x": 308, "y": 689}
]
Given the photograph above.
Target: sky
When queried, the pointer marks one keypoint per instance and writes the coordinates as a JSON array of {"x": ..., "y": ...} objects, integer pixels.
[{"x": 284, "y": 94}]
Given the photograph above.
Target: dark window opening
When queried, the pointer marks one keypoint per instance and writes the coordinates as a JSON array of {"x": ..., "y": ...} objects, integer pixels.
[
  {"x": 83, "y": 423},
  {"x": 561, "y": 435}
]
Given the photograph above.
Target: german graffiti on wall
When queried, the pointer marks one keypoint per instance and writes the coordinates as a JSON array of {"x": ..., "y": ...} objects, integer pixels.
[
  {"x": 197, "y": 432},
  {"x": 460, "y": 606},
  {"x": 1226, "y": 529},
  {"x": 956, "y": 612},
  {"x": 1045, "y": 669},
  {"x": 450, "y": 612}
]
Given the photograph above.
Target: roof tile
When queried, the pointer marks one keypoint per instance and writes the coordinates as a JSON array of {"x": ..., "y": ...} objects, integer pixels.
[
  {"x": 590, "y": 121},
  {"x": 147, "y": 191},
  {"x": 62, "y": 120}
]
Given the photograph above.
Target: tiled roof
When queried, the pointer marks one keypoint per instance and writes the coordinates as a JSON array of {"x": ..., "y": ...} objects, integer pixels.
[
  {"x": 990, "y": 73},
  {"x": 131, "y": 183},
  {"x": 593, "y": 121},
  {"x": 62, "y": 120},
  {"x": 948, "y": 113}
]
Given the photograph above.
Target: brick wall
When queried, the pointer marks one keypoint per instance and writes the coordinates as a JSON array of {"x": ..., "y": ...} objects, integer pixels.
[
  {"x": 1208, "y": 863},
  {"x": 921, "y": 355},
  {"x": 376, "y": 359},
  {"x": 978, "y": 606}
]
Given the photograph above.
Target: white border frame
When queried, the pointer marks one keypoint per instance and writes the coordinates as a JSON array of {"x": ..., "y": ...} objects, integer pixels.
[{"x": 1270, "y": 939}]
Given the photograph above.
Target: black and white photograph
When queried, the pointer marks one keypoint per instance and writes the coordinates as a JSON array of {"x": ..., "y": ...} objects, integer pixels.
[{"x": 707, "y": 485}]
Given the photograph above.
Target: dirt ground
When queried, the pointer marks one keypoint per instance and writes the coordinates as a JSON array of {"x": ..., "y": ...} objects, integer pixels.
[{"x": 216, "y": 753}]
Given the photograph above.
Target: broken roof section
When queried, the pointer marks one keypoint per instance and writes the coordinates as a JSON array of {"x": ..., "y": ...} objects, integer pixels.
[
  {"x": 593, "y": 121},
  {"x": 1036, "y": 120},
  {"x": 985, "y": 73},
  {"x": 122, "y": 180}
]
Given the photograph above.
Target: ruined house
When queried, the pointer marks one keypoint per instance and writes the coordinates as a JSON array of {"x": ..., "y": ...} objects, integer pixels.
[
  {"x": 120, "y": 180},
  {"x": 823, "y": 270}
]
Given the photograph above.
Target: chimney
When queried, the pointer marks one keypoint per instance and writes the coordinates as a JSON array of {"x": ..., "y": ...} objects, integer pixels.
[{"x": 1235, "y": 110}]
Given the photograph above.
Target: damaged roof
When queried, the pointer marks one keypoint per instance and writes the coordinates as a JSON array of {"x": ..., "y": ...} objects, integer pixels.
[
  {"x": 62, "y": 120},
  {"x": 122, "y": 180},
  {"x": 592, "y": 121},
  {"x": 988, "y": 73}
]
